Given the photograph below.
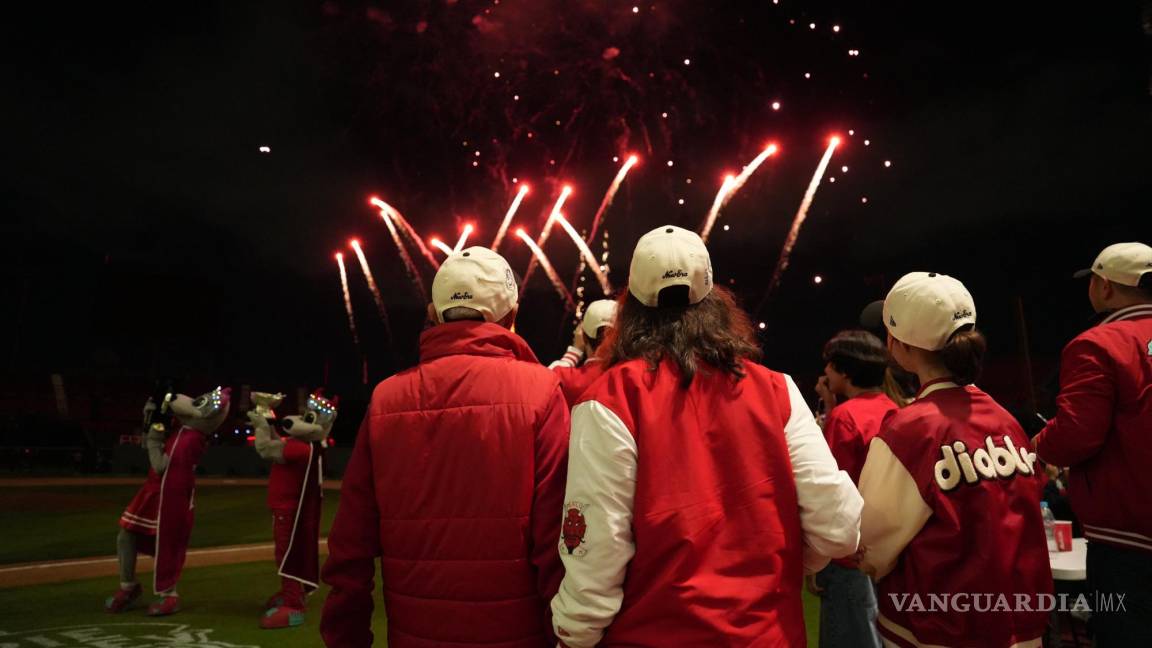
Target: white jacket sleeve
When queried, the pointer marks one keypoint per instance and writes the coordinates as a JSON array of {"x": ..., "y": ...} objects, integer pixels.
[
  {"x": 894, "y": 511},
  {"x": 571, "y": 358},
  {"x": 596, "y": 541},
  {"x": 829, "y": 503}
]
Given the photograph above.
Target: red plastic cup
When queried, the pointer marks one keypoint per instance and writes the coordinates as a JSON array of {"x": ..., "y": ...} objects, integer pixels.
[{"x": 1062, "y": 531}]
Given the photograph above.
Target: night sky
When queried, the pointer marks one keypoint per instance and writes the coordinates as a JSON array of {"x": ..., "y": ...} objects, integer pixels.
[{"x": 147, "y": 234}]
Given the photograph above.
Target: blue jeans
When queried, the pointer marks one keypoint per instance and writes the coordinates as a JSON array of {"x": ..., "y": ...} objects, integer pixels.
[{"x": 847, "y": 609}]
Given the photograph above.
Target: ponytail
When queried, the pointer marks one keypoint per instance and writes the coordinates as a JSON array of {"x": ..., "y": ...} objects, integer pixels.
[{"x": 963, "y": 355}]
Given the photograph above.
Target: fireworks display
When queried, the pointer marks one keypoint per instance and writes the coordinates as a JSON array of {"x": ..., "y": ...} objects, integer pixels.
[
  {"x": 538, "y": 255},
  {"x": 547, "y": 99},
  {"x": 347, "y": 299}
]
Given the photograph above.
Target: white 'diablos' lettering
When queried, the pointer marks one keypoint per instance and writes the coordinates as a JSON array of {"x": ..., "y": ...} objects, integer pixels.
[{"x": 988, "y": 462}]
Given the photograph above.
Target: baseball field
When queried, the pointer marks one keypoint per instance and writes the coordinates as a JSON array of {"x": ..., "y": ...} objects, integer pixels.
[{"x": 57, "y": 565}]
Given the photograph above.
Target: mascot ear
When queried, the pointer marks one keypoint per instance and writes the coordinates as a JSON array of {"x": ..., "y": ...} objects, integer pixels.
[{"x": 335, "y": 400}]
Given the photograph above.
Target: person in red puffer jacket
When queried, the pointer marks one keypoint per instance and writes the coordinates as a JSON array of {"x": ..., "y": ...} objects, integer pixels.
[{"x": 455, "y": 483}]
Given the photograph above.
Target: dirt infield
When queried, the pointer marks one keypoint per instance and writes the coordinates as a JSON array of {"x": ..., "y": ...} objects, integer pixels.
[
  {"x": 58, "y": 571},
  {"x": 32, "y": 482}
]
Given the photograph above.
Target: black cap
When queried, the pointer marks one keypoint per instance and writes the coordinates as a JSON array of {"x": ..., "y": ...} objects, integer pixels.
[{"x": 872, "y": 319}]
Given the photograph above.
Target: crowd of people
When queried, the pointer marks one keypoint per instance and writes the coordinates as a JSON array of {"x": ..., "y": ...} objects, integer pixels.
[{"x": 657, "y": 486}]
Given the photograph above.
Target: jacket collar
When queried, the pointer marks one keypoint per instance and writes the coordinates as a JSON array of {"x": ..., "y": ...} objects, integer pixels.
[
  {"x": 1131, "y": 312},
  {"x": 475, "y": 339}
]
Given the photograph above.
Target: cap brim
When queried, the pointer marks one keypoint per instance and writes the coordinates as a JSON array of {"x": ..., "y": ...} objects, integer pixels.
[{"x": 1080, "y": 274}]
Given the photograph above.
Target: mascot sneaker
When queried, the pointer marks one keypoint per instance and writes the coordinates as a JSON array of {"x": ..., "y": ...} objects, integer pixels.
[
  {"x": 164, "y": 606},
  {"x": 282, "y": 617},
  {"x": 122, "y": 599},
  {"x": 274, "y": 601}
]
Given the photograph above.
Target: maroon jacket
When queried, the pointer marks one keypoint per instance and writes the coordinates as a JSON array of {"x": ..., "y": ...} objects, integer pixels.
[
  {"x": 953, "y": 476},
  {"x": 1103, "y": 428},
  {"x": 456, "y": 483}
]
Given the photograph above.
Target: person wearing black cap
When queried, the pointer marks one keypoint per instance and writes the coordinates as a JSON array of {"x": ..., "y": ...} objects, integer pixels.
[{"x": 1103, "y": 432}]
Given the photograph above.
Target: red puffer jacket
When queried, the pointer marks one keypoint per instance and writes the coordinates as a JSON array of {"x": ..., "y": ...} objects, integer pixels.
[{"x": 456, "y": 483}]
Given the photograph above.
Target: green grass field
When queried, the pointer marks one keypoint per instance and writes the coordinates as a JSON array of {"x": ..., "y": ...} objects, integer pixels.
[
  {"x": 222, "y": 604},
  {"x": 225, "y": 602},
  {"x": 59, "y": 522}
]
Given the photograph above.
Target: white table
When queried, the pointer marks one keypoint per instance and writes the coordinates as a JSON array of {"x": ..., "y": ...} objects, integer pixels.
[{"x": 1070, "y": 565}]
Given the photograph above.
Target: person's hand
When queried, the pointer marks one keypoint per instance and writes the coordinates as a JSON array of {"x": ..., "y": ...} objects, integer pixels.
[
  {"x": 825, "y": 393},
  {"x": 578, "y": 339},
  {"x": 810, "y": 584},
  {"x": 857, "y": 557}
]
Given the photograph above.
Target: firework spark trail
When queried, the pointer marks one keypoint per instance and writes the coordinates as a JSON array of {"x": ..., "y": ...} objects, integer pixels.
[
  {"x": 731, "y": 185},
  {"x": 717, "y": 203},
  {"x": 409, "y": 231},
  {"x": 439, "y": 245},
  {"x": 347, "y": 299},
  {"x": 383, "y": 312},
  {"x": 508, "y": 216},
  {"x": 610, "y": 195},
  {"x": 801, "y": 214},
  {"x": 586, "y": 254},
  {"x": 463, "y": 238},
  {"x": 543, "y": 238},
  {"x": 605, "y": 203},
  {"x": 538, "y": 254},
  {"x": 413, "y": 273}
]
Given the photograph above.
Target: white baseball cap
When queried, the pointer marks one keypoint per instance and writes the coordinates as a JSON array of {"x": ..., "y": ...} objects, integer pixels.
[
  {"x": 924, "y": 309},
  {"x": 670, "y": 256},
  {"x": 601, "y": 312},
  {"x": 475, "y": 278},
  {"x": 1122, "y": 263}
]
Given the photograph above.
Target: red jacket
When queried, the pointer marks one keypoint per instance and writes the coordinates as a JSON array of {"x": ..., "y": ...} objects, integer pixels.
[
  {"x": 1103, "y": 428},
  {"x": 688, "y": 511},
  {"x": 850, "y": 427},
  {"x": 455, "y": 483},
  {"x": 574, "y": 381},
  {"x": 953, "y": 512}
]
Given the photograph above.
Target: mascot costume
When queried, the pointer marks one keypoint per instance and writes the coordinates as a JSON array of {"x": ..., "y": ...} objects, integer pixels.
[
  {"x": 158, "y": 520},
  {"x": 295, "y": 494}
]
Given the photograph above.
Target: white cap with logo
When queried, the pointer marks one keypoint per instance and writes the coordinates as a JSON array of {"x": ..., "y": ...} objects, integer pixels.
[
  {"x": 599, "y": 313},
  {"x": 670, "y": 256},
  {"x": 924, "y": 309},
  {"x": 475, "y": 278},
  {"x": 1122, "y": 263}
]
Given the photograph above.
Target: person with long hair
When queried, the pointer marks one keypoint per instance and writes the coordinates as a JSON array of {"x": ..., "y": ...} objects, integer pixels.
[
  {"x": 699, "y": 485},
  {"x": 952, "y": 531}
]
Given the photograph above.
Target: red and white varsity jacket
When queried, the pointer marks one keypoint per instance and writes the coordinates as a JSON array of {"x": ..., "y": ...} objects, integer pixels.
[
  {"x": 690, "y": 514},
  {"x": 951, "y": 520},
  {"x": 1103, "y": 428}
]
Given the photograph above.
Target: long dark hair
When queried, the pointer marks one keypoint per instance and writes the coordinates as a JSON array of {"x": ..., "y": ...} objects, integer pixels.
[{"x": 715, "y": 331}]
